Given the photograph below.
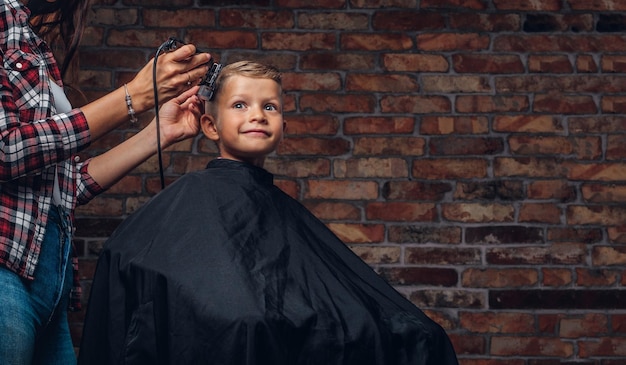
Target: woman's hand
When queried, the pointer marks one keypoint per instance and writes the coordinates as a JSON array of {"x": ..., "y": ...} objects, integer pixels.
[
  {"x": 179, "y": 118},
  {"x": 177, "y": 71}
]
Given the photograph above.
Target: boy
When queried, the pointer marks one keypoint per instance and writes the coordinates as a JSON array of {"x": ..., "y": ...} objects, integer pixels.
[{"x": 224, "y": 268}]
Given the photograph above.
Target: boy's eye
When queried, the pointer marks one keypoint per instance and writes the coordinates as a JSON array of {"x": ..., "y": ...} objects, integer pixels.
[
  {"x": 238, "y": 105},
  {"x": 270, "y": 107}
]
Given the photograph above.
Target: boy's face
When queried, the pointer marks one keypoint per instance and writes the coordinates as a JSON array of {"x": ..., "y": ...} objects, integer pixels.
[{"x": 248, "y": 124}]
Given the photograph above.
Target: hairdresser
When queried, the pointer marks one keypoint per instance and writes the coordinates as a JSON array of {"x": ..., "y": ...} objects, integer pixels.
[{"x": 41, "y": 178}]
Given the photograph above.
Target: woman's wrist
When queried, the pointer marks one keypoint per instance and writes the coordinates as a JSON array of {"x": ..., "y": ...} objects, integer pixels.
[{"x": 142, "y": 100}]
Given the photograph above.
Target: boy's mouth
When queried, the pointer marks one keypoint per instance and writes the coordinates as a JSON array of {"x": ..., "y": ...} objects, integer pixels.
[{"x": 256, "y": 132}]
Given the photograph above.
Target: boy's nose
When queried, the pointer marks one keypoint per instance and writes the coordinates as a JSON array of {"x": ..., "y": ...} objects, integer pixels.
[{"x": 257, "y": 115}]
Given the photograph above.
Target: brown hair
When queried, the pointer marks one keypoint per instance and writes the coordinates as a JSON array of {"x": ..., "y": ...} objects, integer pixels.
[
  {"x": 66, "y": 26},
  {"x": 243, "y": 68}
]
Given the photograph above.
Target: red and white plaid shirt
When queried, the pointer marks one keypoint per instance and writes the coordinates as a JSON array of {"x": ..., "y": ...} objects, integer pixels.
[{"x": 34, "y": 143}]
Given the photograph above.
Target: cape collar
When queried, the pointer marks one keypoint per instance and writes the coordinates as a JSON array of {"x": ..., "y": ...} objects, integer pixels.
[{"x": 258, "y": 174}]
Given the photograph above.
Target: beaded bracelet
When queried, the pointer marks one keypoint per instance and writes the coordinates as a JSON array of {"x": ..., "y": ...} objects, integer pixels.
[{"x": 129, "y": 104}]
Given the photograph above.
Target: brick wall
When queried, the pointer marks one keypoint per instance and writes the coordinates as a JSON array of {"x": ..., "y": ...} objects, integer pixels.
[{"x": 472, "y": 151}]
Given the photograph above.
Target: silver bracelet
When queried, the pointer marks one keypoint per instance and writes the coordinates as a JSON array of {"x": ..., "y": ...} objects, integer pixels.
[{"x": 129, "y": 104}]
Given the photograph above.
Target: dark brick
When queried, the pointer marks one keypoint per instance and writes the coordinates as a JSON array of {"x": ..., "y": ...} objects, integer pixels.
[
  {"x": 420, "y": 276},
  {"x": 541, "y": 23},
  {"x": 415, "y": 190},
  {"x": 503, "y": 234},
  {"x": 424, "y": 234},
  {"x": 465, "y": 146},
  {"x": 611, "y": 23},
  {"x": 491, "y": 190},
  {"x": 96, "y": 227},
  {"x": 448, "y": 299},
  {"x": 586, "y": 235},
  {"x": 557, "y": 299}
]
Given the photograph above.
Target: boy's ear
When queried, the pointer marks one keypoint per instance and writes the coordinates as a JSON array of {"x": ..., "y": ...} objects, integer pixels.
[{"x": 207, "y": 123}]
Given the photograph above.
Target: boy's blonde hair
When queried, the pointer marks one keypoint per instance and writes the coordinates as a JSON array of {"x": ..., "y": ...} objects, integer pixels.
[{"x": 242, "y": 68}]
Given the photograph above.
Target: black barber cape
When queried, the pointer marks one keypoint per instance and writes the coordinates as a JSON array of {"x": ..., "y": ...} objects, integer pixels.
[{"x": 224, "y": 268}]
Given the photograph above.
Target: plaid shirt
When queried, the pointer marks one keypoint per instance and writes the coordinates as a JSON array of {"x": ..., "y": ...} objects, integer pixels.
[{"x": 34, "y": 143}]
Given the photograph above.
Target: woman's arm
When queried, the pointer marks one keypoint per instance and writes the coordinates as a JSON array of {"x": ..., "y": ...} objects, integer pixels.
[
  {"x": 178, "y": 119},
  {"x": 27, "y": 146},
  {"x": 174, "y": 70}
]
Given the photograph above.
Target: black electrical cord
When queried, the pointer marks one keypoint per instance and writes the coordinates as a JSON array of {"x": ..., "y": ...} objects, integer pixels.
[
  {"x": 206, "y": 92},
  {"x": 166, "y": 46}
]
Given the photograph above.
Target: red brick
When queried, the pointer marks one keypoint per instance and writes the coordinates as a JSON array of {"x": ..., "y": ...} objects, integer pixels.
[
  {"x": 499, "y": 278},
  {"x": 337, "y": 61},
  {"x": 531, "y": 346},
  {"x": 492, "y": 64},
  {"x": 586, "y": 63},
  {"x": 415, "y": 190},
  {"x": 540, "y": 213},
  {"x": 322, "y": 103},
  {"x": 600, "y": 193},
  {"x": 494, "y": 322},
  {"x": 333, "y": 20},
  {"x": 456, "y": 84},
  {"x": 603, "y": 346},
  {"x": 559, "y": 190},
  {"x": 446, "y": 168},
  {"x": 358, "y": 233},
  {"x": 407, "y": 21},
  {"x": 596, "y": 214},
  {"x": 338, "y": 189},
  {"x": 238, "y": 18},
  {"x": 378, "y": 255},
  {"x": 333, "y": 210},
  {"x": 529, "y": 167},
  {"x": 565, "y": 104},
  {"x": 452, "y": 41},
  {"x": 322, "y": 4},
  {"x": 311, "y": 81},
  {"x": 545, "y": 5},
  {"x": 296, "y": 41},
  {"x": 598, "y": 172},
  {"x": 557, "y": 253},
  {"x": 447, "y": 4},
  {"x": 454, "y": 125},
  {"x": 491, "y": 104},
  {"x": 375, "y": 4},
  {"x": 378, "y": 125},
  {"x": 401, "y": 212},
  {"x": 222, "y": 39},
  {"x": 595, "y": 277},
  {"x": 477, "y": 212},
  {"x": 528, "y": 124},
  {"x": 381, "y": 83},
  {"x": 300, "y": 167},
  {"x": 415, "y": 62},
  {"x": 608, "y": 256},
  {"x": 303, "y": 146},
  {"x": 556, "y": 277},
  {"x": 415, "y": 104},
  {"x": 597, "y": 5},
  {"x": 371, "y": 167},
  {"x": 375, "y": 42},
  {"x": 483, "y": 22},
  {"x": 442, "y": 256},
  {"x": 173, "y": 18},
  {"x": 324, "y": 125},
  {"x": 390, "y": 146}
]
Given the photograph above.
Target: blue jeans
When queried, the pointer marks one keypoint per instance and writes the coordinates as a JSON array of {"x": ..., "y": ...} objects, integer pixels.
[{"x": 33, "y": 314}]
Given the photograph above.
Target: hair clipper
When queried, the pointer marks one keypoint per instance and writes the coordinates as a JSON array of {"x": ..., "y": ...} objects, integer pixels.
[{"x": 208, "y": 82}]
